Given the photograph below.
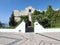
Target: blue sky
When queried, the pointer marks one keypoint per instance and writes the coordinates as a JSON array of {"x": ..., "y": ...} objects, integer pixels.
[{"x": 7, "y": 6}]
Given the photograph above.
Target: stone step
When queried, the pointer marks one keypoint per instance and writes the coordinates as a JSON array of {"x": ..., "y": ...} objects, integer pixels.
[{"x": 29, "y": 29}]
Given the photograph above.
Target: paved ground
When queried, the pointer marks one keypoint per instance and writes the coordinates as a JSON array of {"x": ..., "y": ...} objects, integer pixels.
[{"x": 30, "y": 38}]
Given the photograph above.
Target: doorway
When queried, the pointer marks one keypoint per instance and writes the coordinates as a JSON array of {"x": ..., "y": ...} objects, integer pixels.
[{"x": 29, "y": 27}]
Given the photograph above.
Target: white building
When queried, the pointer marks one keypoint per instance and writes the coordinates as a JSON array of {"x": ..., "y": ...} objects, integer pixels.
[{"x": 27, "y": 11}]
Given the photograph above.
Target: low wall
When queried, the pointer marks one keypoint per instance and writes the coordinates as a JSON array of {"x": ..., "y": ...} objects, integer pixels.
[
  {"x": 19, "y": 28},
  {"x": 39, "y": 28}
]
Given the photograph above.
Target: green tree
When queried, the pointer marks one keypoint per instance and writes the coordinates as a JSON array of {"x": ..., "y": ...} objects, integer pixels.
[
  {"x": 2, "y": 25},
  {"x": 12, "y": 22},
  {"x": 57, "y": 18},
  {"x": 46, "y": 22},
  {"x": 49, "y": 14},
  {"x": 36, "y": 12},
  {"x": 49, "y": 11},
  {"x": 43, "y": 12}
]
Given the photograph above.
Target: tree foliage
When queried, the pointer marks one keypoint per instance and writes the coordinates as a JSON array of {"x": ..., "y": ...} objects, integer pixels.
[
  {"x": 12, "y": 22},
  {"x": 49, "y": 12},
  {"x": 2, "y": 24},
  {"x": 36, "y": 12},
  {"x": 36, "y": 17},
  {"x": 46, "y": 22},
  {"x": 25, "y": 18},
  {"x": 49, "y": 18}
]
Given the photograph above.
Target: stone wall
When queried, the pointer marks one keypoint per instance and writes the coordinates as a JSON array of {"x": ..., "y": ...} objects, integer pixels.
[{"x": 24, "y": 12}]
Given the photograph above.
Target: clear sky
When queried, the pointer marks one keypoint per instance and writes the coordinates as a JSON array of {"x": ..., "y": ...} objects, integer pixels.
[{"x": 7, "y": 6}]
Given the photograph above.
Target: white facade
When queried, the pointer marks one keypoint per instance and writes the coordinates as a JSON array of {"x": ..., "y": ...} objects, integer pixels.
[
  {"x": 27, "y": 11},
  {"x": 17, "y": 18}
]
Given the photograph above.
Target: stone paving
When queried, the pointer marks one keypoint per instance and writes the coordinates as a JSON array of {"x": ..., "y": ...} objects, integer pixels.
[{"x": 29, "y": 38}]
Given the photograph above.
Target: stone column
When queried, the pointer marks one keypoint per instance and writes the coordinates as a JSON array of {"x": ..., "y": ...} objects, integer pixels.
[{"x": 29, "y": 17}]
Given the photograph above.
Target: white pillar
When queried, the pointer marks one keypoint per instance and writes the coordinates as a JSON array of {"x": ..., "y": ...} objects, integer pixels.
[
  {"x": 29, "y": 16},
  {"x": 37, "y": 27},
  {"x": 21, "y": 27}
]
